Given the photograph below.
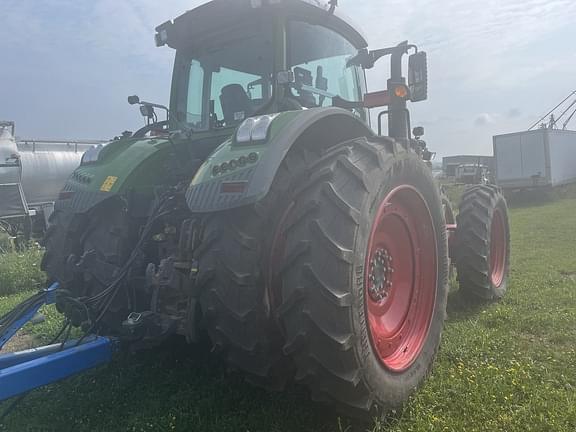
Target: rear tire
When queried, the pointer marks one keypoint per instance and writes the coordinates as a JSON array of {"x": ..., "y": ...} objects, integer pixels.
[
  {"x": 333, "y": 313},
  {"x": 234, "y": 280},
  {"x": 483, "y": 244},
  {"x": 232, "y": 298}
]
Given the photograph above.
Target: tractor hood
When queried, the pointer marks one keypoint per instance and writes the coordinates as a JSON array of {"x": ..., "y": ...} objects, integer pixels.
[
  {"x": 138, "y": 166},
  {"x": 211, "y": 19},
  {"x": 121, "y": 165}
]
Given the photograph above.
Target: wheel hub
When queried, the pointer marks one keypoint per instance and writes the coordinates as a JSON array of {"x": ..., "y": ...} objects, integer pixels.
[{"x": 380, "y": 277}]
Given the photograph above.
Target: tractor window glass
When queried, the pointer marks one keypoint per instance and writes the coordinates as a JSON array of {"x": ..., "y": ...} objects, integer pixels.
[
  {"x": 318, "y": 58},
  {"x": 232, "y": 86},
  {"x": 232, "y": 73},
  {"x": 194, "y": 103}
]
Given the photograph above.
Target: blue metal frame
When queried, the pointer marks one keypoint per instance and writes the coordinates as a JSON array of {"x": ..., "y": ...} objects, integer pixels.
[
  {"x": 27, "y": 370},
  {"x": 23, "y": 371},
  {"x": 49, "y": 298}
]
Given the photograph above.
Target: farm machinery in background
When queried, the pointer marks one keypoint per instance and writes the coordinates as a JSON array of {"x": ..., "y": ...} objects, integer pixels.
[
  {"x": 32, "y": 173},
  {"x": 471, "y": 174},
  {"x": 266, "y": 212}
]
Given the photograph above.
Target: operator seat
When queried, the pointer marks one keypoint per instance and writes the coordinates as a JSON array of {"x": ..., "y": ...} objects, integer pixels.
[{"x": 235, "y": 103}]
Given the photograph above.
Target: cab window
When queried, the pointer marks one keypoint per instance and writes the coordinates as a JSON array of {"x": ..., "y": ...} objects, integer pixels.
[{"x": 318, "y": 58}]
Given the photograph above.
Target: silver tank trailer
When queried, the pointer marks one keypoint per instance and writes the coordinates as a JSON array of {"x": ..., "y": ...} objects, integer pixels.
[
  {"x": 45, "y": 168},
  {"x": 32, "y": 173}
]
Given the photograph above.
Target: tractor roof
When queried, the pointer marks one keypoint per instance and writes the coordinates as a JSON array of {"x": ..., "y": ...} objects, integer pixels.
[{"x": 216, "y": 16}]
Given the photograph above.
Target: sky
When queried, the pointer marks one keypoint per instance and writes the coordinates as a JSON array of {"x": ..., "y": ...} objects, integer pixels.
[{"x": 495, "y": 66}]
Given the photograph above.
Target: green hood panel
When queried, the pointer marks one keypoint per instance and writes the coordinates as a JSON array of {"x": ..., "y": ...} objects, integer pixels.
[{"x": 121, "y": 165}]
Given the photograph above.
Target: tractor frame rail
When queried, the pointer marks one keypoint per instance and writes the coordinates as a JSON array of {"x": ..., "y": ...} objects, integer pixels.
[{"x": 26, "y": 370}]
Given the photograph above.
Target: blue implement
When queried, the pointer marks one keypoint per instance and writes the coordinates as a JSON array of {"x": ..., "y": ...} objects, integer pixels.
[
  {"x": 23, "y": 371},
  {"x": 46, "y": 297},
  {"x": 26, "y": 370}
]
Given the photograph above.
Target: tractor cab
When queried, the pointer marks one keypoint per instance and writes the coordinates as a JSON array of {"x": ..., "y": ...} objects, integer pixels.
[{"x": 236, "y": 60}]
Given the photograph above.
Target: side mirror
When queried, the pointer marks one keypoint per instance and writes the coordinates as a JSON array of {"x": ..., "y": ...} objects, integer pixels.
[
  {"x": 418, "y": 76},
  {"x": 133, "y": 100}
]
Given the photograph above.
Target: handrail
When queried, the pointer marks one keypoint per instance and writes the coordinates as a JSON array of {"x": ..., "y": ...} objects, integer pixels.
[{"x": 69, "y": 143}]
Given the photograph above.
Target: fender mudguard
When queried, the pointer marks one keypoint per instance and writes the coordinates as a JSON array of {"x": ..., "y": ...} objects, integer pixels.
[
  {"x": 247, "y": 181},
  {"x": 132, "y": 164}
]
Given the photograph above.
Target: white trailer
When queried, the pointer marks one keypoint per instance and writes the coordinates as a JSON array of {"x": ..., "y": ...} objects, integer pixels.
[{"x": 533, "y": 159}]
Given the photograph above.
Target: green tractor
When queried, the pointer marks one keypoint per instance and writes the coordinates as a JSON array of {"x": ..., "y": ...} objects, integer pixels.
[{"x": 266, "y": 213}]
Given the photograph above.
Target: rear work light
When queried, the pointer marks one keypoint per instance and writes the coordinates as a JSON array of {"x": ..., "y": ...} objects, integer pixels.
[{"x": 255, "y": 128}]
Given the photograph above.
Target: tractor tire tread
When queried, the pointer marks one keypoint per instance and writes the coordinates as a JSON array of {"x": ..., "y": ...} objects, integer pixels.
[
  {"x": 473, "y": 242},
  {"x": 317, "y": 318}
]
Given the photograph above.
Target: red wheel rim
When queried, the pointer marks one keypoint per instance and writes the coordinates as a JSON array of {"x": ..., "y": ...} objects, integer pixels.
[
  {"x": 498, "y": 253},
  {"x": 401, "y": 277}
]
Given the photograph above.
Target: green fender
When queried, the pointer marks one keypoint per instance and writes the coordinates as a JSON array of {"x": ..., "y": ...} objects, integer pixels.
[
  {"x": 250, "y": 181},
  {"x": 129, "y": 164}
]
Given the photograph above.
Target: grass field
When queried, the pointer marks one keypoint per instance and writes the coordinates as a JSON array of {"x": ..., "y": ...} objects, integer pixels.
[
  {"x": 20, "y": 271},
  {"x": 509, "y": 366}
]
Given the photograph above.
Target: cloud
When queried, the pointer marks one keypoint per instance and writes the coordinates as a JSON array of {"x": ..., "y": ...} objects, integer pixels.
[
  {"x": 72, "y": 63},
  {"x": 484, "y": 119}
]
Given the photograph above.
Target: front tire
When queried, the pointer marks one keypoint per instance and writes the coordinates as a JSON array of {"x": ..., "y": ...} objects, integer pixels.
[
  {"x": 364, "y": 283},
  {"x": 483, "y": 244},
  {"x": 83, "y": 252},
  {"x": 60, "y": 240}
]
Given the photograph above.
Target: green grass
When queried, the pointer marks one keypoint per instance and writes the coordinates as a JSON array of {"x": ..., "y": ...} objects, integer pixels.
[
  {"x": 5, "y": 243},
  {"x": 508, "y": 367},
  {"x": 20, "y": 271}
]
